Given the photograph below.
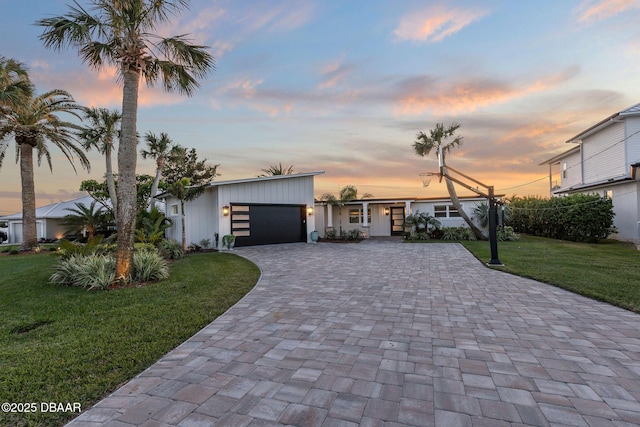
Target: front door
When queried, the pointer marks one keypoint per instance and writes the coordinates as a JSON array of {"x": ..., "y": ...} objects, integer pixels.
[{"x": 397, "y": 220}]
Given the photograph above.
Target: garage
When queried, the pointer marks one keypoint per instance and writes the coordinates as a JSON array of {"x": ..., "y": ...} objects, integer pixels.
[{"x": 265, "y": 224}]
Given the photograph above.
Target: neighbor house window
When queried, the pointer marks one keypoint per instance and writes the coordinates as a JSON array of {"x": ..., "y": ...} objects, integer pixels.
[
  {"x": 445, "y": 211},
  {"x": 175, "y": 210},
  {"x": 564, "y": 170},
  {"x": 608, "y": 194}
]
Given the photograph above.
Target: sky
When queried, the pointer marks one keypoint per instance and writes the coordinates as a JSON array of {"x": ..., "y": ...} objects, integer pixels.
[{"x": 345, "y": 86}]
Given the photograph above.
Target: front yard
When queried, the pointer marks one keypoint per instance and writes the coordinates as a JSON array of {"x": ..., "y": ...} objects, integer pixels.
[{"x": 69, "y": 345}]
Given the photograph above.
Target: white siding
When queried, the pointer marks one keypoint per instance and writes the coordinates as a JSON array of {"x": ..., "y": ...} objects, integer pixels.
[
  {"x": 633, "y": 143},
  {"x": 572, "y": 175},
  {"x": 625, "y": 206},
  {"x": 603, "y": 154}
]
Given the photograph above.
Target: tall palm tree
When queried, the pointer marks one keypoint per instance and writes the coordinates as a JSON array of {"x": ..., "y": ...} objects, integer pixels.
[
  {"x": 158, "y": 148},
  {"x": 102, "y": 130},
  {"x": 445, "y": 138},
  {"x": 34, "y": 123},
  {"x": 348, "y": 193},
  {"x": 121, "y": 33}
]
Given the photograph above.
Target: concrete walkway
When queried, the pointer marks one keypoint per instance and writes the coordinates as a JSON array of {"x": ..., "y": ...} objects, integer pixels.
[{"x": 389, "y": 334}]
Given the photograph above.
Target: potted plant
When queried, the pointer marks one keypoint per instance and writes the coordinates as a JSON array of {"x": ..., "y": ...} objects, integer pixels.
[{"x": 228, "y": 241}]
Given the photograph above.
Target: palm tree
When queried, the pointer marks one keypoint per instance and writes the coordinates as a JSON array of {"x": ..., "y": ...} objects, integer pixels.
[
  {"x": 278, "y": 169},
  {"x": 121, "y": 33},
  {"x": 85, "y": 219},
  {"x": 102, "y": 130},
  {"x": 348, "y": 193},
  {"x": 14, "y": 82},
  {"x": 34, "y": 122},
  {"x": 444, "y": 137},
  {"x": 158, "y": 149}
]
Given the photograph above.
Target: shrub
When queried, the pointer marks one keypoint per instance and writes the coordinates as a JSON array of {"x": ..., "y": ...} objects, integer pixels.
[
  {"x": 421, "y": 222},
  {"x": 149, "y": 266},
  {"x": 578, "y": 217},
  {"x": 144, "y": 247},
  {"x": 91, "y": 272},
  {"x": 205, "y": 243},
  {"x": 170, "y": 249},
  {"x": 354, "y": 234},
  {"x": 506, "y": 233},
  {"x": 458, "y": 233},
  {"x": 418, "y": 236},
  {"x": 93, "y": 246},
  {"x": 330, "y": 234}
]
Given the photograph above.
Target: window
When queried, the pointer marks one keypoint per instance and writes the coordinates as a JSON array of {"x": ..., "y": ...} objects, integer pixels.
[
  {"x": 355, "y": 216},
  {"x": 175, "y": 210},
  {"x": 608, "y": 194},
  {"x": 564, "y": 170},
  {"x": 445, "y": 211}
]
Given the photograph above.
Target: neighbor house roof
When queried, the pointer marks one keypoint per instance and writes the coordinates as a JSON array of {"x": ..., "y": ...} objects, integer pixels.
[
  {"x": 55, "y": 210},
  {"x": 614, "y": 118},
  {"x": 557, "y": 158}
]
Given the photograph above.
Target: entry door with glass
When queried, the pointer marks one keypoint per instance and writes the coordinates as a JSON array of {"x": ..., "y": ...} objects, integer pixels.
[{"x": 397, "y": 220}]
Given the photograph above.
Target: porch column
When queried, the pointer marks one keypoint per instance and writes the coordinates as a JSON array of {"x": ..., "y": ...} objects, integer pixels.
[
  {"x": 329, "y": 215},
  {"x": 365, "y": 217},
  {"x": 407, "y": 209}
]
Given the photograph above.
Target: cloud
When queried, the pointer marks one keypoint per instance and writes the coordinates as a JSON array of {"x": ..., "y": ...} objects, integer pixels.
[
  {"x": 599, "y": 10},
  {"x": 420, "y": 94},
  {"x": 333, "y": 73},
  {"x": 436, "y": 23},
  {"x": 284, "y": 17}
]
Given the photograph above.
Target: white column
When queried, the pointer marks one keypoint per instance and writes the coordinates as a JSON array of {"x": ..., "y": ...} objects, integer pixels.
[
  {"x": 365, "y": 218},
  {"x": 329, "y": 215},
  {"x": 407, "y": 209}
]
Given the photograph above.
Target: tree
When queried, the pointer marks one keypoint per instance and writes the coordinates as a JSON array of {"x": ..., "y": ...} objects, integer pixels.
[
  {"x": 14, "y": 83},
  {"x": 121, "y": 34},
  {"x": 348, "y": 193},
  {"x": 186, "y": 177},
  {"x": 100, "y": 192},
  {"x": 444, "y": 137},
  {"x": 102, "y": 130},
  {"x": 83, "y": 218},
  {"x": 158, "y": 149},
  {"x": 34, "y": 123},
  {"x": 278, "y": 169}
]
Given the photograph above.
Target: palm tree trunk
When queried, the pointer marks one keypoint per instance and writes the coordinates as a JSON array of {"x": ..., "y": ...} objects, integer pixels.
[
  {"x": 29, "y": 232},
  {"x": 111, "y": 185},
  {"x": 126, "y": 191},
  {"x": 456, "y": 204},
  {"x": 154, "y": 188}
]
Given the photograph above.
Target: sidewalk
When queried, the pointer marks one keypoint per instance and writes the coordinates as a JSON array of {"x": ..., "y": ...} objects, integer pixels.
[{"x": 389, "y": 334}]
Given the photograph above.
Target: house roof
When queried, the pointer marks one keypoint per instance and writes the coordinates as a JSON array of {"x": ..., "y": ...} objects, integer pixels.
[
  {"x": 614, "y": 118},
  {"x": 594, "y": 185},
  {"x": 560, "y": 156},
  {"x": 55, "y": 210},
  {"x": 406, "y": 199},
  {"x": 256, "y": 179}
]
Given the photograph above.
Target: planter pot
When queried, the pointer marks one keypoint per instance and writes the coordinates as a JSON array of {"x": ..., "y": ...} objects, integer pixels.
[{"x": 314, "y": 236}]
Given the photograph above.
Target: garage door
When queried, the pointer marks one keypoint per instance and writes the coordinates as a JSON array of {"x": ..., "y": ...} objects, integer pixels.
[{"x": 256, "y": 224}]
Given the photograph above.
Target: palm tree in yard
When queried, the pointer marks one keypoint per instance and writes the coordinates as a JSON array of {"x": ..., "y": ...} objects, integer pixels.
[
  {"x": 122, "y": 34},
  {"x": 158, "y": 148},
  {"x": 103, "y": 129},
  {"x": 85, "y": 219},
  {"x": 278, "y": 169},
  {"x": 14, "y": 82},
  {"x": 445, "y": 138},
  {"x": 34, "y": 124}
]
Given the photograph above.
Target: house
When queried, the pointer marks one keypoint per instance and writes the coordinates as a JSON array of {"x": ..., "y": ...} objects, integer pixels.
[
  {"x": 48, "y": 220},
  {"x": 257, "y": 211},
  {"x": 604, "y": 160},
  {"x": 385, "y": 217}
]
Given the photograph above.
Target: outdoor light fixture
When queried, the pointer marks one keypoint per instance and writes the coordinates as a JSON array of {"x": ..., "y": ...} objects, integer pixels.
[
  {"x": 386, "y": 211},
  {"x": 225, "y": 210},
  {"x": 309, "y": 210}
]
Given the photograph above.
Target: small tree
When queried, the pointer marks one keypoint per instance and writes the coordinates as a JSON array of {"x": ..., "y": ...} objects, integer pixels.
[
  {"x": 348, "y": 193},
  {"x": 85, "y": 219}
]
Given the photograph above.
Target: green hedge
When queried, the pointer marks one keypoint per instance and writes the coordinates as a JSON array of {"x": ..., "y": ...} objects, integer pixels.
[{"x": 578, "y": 217}]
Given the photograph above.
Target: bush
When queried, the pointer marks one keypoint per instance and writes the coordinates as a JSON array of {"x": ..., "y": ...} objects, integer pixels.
[
  {"x": 354, "y": 234},
  {"x": 91, "y": 272},
  {"x": 149, "y": 266},
  {"x": 170, "y": 249},
  {"x": 506, "y": 233},
  {"x": 458, "y": 233},
  {"x": 418, "y": 236},
  {"x": 578, "y": 217}
]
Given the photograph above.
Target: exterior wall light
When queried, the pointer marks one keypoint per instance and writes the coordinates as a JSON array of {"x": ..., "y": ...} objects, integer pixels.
[
  {"x": 225, "y": 210},
  {"x": 310, "y": 211},
  {"x": 386, "y": 211}
]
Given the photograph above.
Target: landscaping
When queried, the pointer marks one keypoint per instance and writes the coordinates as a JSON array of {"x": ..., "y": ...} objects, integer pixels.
[
  {"x": 66, "y": 344},
  {"x": 607, "y": 271}
]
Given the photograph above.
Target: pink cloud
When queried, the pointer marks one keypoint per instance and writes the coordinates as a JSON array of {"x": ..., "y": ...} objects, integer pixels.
[
  {"x": 600, "y": 10},
  {"x": 436, "y": 23}
]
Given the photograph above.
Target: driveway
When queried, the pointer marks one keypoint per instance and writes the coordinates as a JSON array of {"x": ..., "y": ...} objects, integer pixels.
[{"x": 391, "y": 334}]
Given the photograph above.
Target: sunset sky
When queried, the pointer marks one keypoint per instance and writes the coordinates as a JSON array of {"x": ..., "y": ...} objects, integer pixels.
[{"x": 344, "y": 86}]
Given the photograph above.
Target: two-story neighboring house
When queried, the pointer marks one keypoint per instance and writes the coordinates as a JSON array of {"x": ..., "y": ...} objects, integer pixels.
[{"x": 604, "y": 160}]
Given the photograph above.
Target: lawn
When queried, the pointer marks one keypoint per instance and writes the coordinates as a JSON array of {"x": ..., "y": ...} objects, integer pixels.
[
  {"x": 67, "y": 345},
  {"x": 608, "y": 271}
]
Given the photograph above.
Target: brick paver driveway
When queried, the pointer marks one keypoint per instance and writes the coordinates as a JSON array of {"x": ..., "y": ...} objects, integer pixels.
[{"x": 393, "y": 334}]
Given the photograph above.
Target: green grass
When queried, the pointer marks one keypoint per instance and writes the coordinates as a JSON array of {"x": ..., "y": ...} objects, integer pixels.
[
  {"x": 608, "y": 271},
  {"x": 62, "y": 344}
]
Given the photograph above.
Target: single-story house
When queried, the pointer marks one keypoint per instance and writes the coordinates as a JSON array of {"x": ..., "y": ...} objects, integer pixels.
[
  {"x": 257, "y": 211},
  {"x": 385, "y": 217},
  {"x": 604, "y": 159},
  {"x": 48, "y": 220}
]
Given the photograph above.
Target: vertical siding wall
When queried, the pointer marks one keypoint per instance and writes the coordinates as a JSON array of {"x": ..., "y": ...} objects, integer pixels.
[
  {"x": 633, "y": 143},
  {"x": 573, "y": 173},
  {"x": 603, "y": 154}
]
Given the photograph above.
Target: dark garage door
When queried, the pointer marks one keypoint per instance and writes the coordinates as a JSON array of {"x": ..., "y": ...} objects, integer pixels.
[{"x": 255, "y": 224}]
